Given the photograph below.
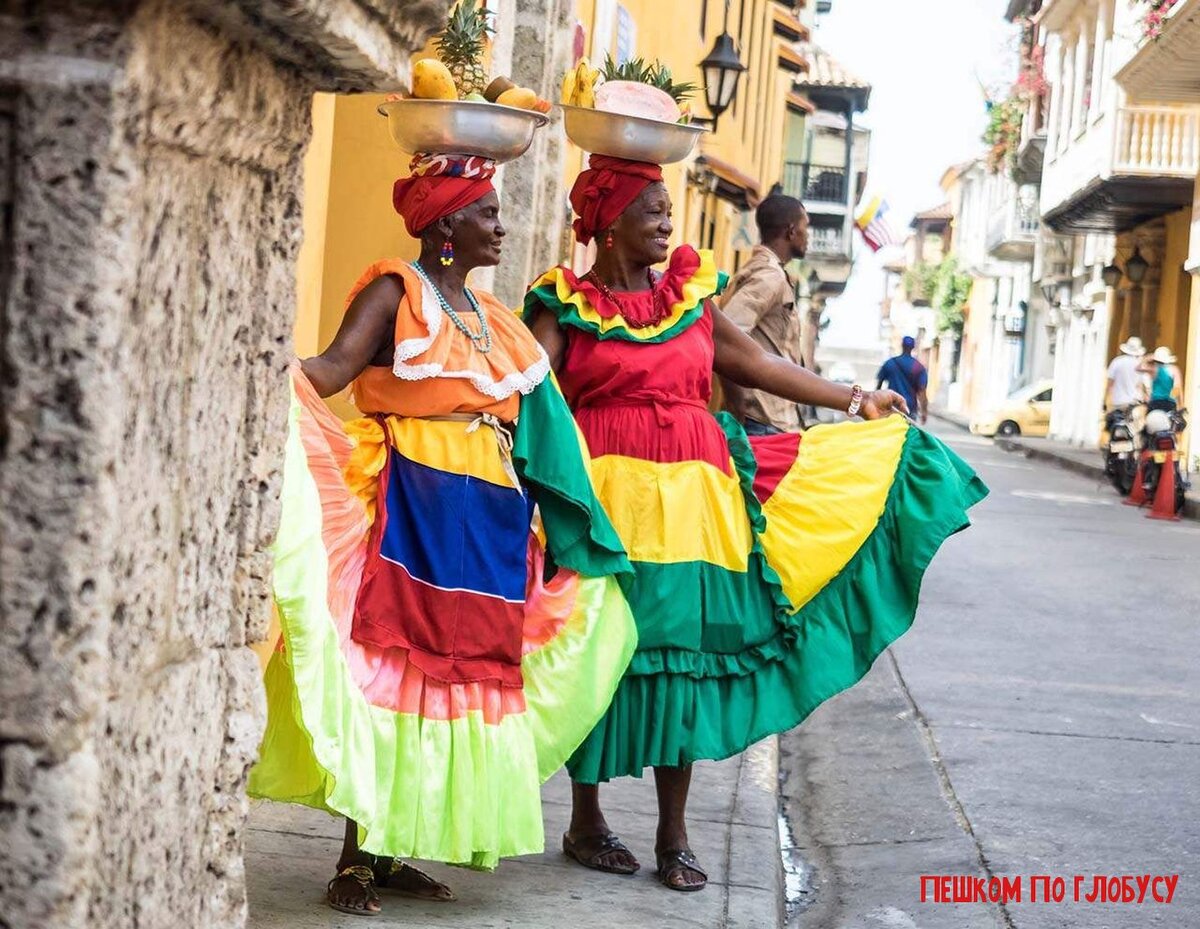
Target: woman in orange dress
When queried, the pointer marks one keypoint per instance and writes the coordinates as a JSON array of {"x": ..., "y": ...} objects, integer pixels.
[{"x": 440, "y": 657}]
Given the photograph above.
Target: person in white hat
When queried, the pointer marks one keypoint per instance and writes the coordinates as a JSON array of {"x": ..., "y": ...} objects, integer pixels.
[
  {"x": 1165, "y": 379},
  {"x": 1124, "y": 375}
]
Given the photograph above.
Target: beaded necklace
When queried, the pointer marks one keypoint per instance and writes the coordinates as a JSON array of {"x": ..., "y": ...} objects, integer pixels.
[
  {"x": 656, "y": 295},
  {"x": 481, "y": 340}
]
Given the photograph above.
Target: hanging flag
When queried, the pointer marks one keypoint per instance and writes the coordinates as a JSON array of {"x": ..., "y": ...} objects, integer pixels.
[{"x": 872, "y": 222}]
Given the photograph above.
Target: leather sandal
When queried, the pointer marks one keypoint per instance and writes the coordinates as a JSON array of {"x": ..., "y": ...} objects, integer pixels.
[
  {"x": 387, "y": 880},
  {"x": 590, "y": 849},
  {"x": 677, "y": 861},
  {"x": 365, "y": 878}
]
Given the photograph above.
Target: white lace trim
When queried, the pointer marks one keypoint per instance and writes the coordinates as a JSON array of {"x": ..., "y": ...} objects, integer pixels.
[{"x": 522, "y": 382}]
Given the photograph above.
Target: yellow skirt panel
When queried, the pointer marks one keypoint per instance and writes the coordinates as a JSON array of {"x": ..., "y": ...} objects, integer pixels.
[
  {"x": 677, "y": 512},
  {"x": 829, "y": 501}
]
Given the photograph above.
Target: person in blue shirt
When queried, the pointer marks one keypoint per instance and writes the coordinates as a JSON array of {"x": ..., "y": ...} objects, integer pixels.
[{"x": 908, "y": 377}]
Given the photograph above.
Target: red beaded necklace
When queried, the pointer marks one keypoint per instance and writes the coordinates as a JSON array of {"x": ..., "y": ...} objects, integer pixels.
[{"x": 658, "y": 300}]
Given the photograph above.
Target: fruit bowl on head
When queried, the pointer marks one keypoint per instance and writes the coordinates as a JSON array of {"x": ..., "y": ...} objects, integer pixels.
[
  {"x": 451, "y": 127},
  {"x": 636, "y": 138}
]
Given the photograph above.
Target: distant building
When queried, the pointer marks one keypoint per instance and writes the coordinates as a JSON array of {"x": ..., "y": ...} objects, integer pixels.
[{"x": 827, "y": 170}]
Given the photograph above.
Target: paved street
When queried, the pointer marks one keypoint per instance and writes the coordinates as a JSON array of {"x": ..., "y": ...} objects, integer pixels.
[{"x": 1043, "y": 717}]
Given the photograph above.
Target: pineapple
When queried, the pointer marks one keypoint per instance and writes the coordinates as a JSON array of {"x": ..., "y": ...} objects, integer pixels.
[{"x": 461, "y": 45}]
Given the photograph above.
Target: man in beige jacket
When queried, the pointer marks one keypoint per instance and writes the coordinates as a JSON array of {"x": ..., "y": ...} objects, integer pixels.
[{"x": 761, "y": 300}]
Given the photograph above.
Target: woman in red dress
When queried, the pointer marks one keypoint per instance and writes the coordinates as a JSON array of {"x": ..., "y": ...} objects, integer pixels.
[{"x": 769, "y": 572}]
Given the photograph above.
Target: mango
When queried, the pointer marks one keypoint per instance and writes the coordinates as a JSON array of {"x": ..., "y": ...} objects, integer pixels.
[
  {"x": 521, "y": 97},
  {"x": 431, "y": 80}
]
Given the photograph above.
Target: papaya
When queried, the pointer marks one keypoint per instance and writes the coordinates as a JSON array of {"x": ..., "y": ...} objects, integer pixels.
[{"x": 632, "y": 98}]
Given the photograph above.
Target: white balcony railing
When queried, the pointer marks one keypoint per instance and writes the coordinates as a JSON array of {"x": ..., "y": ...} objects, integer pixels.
[
  {"x": 1150, "y": 141},
  {"x": 1012, "y": 229},
  {"x": 1157, "y": 140},
  {"x": 826, "y": 242}
]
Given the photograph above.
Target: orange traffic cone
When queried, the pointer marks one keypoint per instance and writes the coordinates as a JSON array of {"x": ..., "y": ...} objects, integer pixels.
[
  {"x": 1164, "y": 497},
  {"x": 1137, "y": 496}
]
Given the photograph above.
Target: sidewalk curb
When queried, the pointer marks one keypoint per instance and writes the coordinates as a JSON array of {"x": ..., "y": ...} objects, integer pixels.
[
  {"x": 1191, "y": 505},
  {"x": 756, "y": 801}
]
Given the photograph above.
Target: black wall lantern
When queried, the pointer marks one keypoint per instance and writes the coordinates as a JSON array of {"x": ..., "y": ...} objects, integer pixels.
[
  {"x": 721, "y": 69},
  {"x": 1136, "y": 267},
  {"x": 1111, "y": 275}
]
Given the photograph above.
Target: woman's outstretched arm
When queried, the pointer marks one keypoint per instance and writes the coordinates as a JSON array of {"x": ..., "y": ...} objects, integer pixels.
[{"x": 742, "y": 360}]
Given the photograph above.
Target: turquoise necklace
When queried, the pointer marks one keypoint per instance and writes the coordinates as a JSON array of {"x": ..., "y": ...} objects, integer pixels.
[{"x": 481, "y": 340}]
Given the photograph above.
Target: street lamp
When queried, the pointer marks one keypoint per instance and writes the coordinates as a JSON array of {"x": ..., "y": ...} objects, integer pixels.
[
  {"x": 1111, "y": 275},
  {"x": 721, "y": 69},
  {"x": 1136, "y": 267}
]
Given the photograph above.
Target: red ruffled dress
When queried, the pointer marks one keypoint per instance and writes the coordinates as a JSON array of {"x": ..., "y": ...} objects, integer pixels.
[{"x": 769, "y": 573}]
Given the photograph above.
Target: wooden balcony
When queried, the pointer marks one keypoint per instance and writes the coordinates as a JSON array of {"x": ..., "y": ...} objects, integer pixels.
[
  {"x": 821, "y": 187},
  {"x": 1131, "y": 165},
  {"x": 1167, "y": 69}
]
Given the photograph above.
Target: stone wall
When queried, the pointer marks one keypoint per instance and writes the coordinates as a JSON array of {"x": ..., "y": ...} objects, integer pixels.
[
  {"x": 149, "y": 222},
  {"x": 533, "y": 46}
]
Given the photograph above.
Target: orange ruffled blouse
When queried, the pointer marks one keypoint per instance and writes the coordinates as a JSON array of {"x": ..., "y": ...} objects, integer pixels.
[{"x": 436, "y": 370}]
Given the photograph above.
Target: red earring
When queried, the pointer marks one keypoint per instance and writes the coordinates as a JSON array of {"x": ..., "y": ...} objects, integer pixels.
[
  {"x": 608, "y": 239},
  {"x": 447, "y": 257}
]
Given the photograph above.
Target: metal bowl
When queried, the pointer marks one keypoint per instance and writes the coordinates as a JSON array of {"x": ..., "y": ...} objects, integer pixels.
[
  {"x": 461, "y": 127},
  {"x": 633, "y": 137}
]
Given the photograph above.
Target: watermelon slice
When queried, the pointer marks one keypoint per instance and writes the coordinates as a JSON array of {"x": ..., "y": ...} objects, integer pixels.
[{"x": 631, "y": 98}]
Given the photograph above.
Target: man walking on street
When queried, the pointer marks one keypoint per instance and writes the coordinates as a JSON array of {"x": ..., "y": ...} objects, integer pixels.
[
  {"x": 761, "y": 300},
  {"x": 908, "y": 377}
]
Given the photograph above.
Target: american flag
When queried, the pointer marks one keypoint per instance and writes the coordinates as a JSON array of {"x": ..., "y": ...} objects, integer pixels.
[{"x": 872, "y": 222}]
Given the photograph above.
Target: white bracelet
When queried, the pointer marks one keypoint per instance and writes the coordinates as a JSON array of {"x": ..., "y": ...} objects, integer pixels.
[{"x": 856, "y": 400}]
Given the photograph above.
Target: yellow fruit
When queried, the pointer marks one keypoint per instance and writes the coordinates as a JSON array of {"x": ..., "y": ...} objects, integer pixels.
[
  {"x": 585, "y": 95},
  {"x": 431, "y": 80},
  {"x": 585, "y": 84},
  {"x": 568, "y": 88},
  {"x": 521, "y": 97}
]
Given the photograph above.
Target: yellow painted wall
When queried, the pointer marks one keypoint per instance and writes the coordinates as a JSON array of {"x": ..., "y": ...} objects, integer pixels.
[
  {"x": 1190, "y": 353},
  {"x": 348, "y": 221},
  {"x": 1174, "y": 293}
]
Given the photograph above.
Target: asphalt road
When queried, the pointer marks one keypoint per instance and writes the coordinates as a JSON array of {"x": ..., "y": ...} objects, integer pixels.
[{"x": 1041, "y": 718}]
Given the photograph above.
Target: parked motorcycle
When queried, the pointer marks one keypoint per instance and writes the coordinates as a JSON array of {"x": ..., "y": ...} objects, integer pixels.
[
  {"x": 1161, "y": 437},
  {"x": 1123, "y": 449}
]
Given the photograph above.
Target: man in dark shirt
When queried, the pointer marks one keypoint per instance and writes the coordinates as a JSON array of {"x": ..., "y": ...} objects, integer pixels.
[{"x": 908, "y": 377}]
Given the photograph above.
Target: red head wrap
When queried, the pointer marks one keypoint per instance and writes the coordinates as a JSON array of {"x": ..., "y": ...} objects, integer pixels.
[
  {"x": 605, "y": 190},
  {"x": 440, "y": 185}
]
